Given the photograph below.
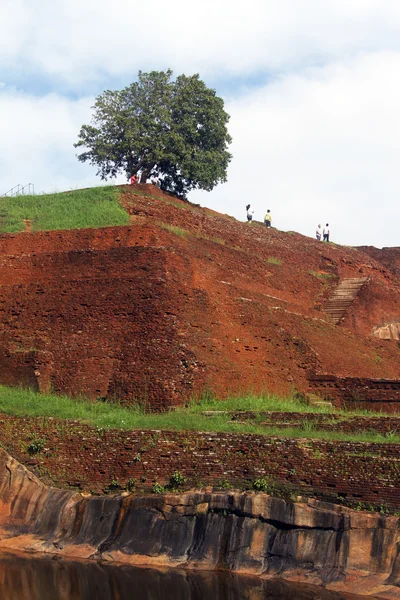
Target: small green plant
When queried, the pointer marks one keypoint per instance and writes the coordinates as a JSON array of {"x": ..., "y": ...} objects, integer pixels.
[
  {"x": 42, "y": 471},
  {"x": 174, "y": 229},
  {"x": 35, "y": 446},
  {"x": 131, "y": 484},
  {"x": 158, "y": 488},
  {"x": 308, "y": 426},
  {"x": 177, "y": 479},
  {"x": 114, "y": 485},
  {"x": 224, "y": 484},
  {"x": 137, "y": 458},
  {"x": 274, "y": 261},
  {"x": 323, "y": 276},
  {"x": 262, "y": 485}
]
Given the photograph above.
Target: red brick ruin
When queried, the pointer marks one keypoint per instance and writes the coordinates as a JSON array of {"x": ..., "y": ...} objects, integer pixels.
[{"x": 185, "y": 300}]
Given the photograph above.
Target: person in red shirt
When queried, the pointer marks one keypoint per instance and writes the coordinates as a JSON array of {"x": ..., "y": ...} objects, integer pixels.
[{"x": 134, "y": 179}]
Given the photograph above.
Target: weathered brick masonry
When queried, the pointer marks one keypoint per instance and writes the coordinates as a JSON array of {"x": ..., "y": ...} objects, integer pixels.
[
  {"x": 354, "y": 392},
  {"x": 338, "y": 422},
  {"x": 184, "y": 300},
  {"x": 91, "y": 459},
  {"x": 97, "y": 321}
]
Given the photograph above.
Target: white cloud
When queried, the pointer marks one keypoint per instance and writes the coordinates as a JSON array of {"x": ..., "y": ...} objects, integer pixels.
[
  {"x": 37, "y": 136},
  {"x": 318, "y": 147},
  {"x": 83, "y": 40}
]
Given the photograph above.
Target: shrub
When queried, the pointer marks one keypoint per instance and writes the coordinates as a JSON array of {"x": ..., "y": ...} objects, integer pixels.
[
  {"x": 35, "y": 446},
  {"x": 177, "y": 479},
  {"x": 114, "y": 485},
  {"x": 223, "y": 483},
  {"x": 262, "y": 485},
  {"x": 131, "y": 484},
  {"x": 158, "y": 488}
]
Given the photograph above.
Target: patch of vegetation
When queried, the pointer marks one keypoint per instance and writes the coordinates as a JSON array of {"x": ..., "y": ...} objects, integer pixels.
[
  {"x": 35, "y": 446},
  {"x": 176, "y": 480},
  {"x": 93, "y": 207},
  {"x": 223, "y": 484},
  {"x": 131, "y": 484},
  {"x": 323, "y": 276},
  {"x": 274, "y": 261},
  {"x": 158, "y": 488},
  {"x": 262, "y": 485},
  {"x": 103, "y": 415},
  {"x": 114, "y": 485},
  {"x": 176, "y": 230}
]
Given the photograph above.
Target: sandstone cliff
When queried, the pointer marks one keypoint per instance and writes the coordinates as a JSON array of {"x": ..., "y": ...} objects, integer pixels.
[{"x": 250, "y": 533}]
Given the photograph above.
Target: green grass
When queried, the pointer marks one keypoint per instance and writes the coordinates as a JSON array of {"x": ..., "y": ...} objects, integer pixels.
[
  {"x": 251, "y": 402},
  {"x": 21, "y": 402},
  {"x": 174, "y": 229},
  {"x": 93, "y": 207},
  {"x": 274, "y": 261},
  {"x": 323, "y": 276}
]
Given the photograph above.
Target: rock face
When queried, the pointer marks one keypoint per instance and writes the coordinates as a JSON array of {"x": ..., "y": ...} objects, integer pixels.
[
  {"x": 391, "y": 331},
  {"x": 251, "y": 533}
]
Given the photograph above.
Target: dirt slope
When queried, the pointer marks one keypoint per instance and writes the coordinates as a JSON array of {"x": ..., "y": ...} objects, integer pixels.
[{"x": 186, "y": 299}]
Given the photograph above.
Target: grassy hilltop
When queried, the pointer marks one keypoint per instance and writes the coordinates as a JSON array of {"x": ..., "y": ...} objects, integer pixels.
[{"x": 93, "y": 207}]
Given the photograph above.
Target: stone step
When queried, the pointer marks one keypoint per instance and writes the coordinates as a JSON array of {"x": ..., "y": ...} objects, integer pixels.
[{"x": 343, "y": 297}]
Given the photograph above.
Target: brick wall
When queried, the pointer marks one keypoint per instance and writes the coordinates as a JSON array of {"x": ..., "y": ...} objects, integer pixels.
[
  {"x": 351, "y": 392},
  {"x": 90, "y": 459},
  {"x": 327, "y": 422},
  {"x": 98, "y": 321}
]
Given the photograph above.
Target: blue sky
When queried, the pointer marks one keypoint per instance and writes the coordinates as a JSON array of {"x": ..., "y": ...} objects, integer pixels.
[{"x": 312, "y": 87}]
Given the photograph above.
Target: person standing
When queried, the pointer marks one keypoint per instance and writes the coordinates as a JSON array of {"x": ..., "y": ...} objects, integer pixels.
[
  {"x": 268, "y": 219},
  {"x": 326, "y": 233},
  {"x": 318, "y": 233},
  {"x": 134, "y": 179},
  {"x": 250, "y": 213}
]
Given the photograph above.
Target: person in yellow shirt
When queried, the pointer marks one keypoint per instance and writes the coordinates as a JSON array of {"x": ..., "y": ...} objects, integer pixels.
[{"x": 268, "y": 219}]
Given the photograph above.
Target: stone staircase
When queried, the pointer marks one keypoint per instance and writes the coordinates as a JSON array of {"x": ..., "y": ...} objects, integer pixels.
[{"x": 343, "y": 296}]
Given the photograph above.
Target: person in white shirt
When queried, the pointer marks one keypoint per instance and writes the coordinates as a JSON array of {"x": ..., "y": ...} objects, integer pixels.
[
  {"x": 326, "y": 233},
  {"x": 318, "y": 233},
  {"x": 250, "y": 212}
]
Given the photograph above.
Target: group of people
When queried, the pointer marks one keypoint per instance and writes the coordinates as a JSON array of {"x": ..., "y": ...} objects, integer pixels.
[
  {"x": 322, "y": 234},
  {"x": 135, "y": 179},
  {"x": 267, "y": 218}
]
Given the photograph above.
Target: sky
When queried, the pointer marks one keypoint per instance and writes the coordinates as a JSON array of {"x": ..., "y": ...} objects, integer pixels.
[{"x": 312, "y": 88}]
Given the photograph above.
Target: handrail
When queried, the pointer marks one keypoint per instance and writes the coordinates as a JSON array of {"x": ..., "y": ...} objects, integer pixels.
[{"x": 19, "y": 190}]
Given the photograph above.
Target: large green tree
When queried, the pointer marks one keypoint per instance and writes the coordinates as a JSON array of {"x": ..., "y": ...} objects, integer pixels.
[{"x": 159, "y": 127}]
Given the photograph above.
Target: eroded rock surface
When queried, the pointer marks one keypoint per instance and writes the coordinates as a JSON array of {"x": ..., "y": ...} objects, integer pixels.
[{"x": 252, "y": 533}]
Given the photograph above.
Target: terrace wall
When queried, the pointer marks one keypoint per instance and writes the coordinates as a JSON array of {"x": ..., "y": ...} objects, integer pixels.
[
  {"x": 380, "y": 395},
  {"x": 94, "y": 320},
  {"x": 88, "y": 458}
]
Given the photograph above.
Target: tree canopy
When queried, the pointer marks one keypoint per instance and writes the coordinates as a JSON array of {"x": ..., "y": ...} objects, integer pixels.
[{"x": 175, "y": 130}]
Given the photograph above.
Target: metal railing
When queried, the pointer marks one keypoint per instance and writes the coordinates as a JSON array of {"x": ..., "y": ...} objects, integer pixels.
[{"x": 20, "y": 190}]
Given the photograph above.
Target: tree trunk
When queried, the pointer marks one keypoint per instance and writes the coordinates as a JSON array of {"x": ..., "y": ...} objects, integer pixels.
[{"x": 145, "y": 174}]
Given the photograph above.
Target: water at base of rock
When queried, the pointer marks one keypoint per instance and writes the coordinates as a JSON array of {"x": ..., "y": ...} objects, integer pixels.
[{"x": 44, "y": 578}]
